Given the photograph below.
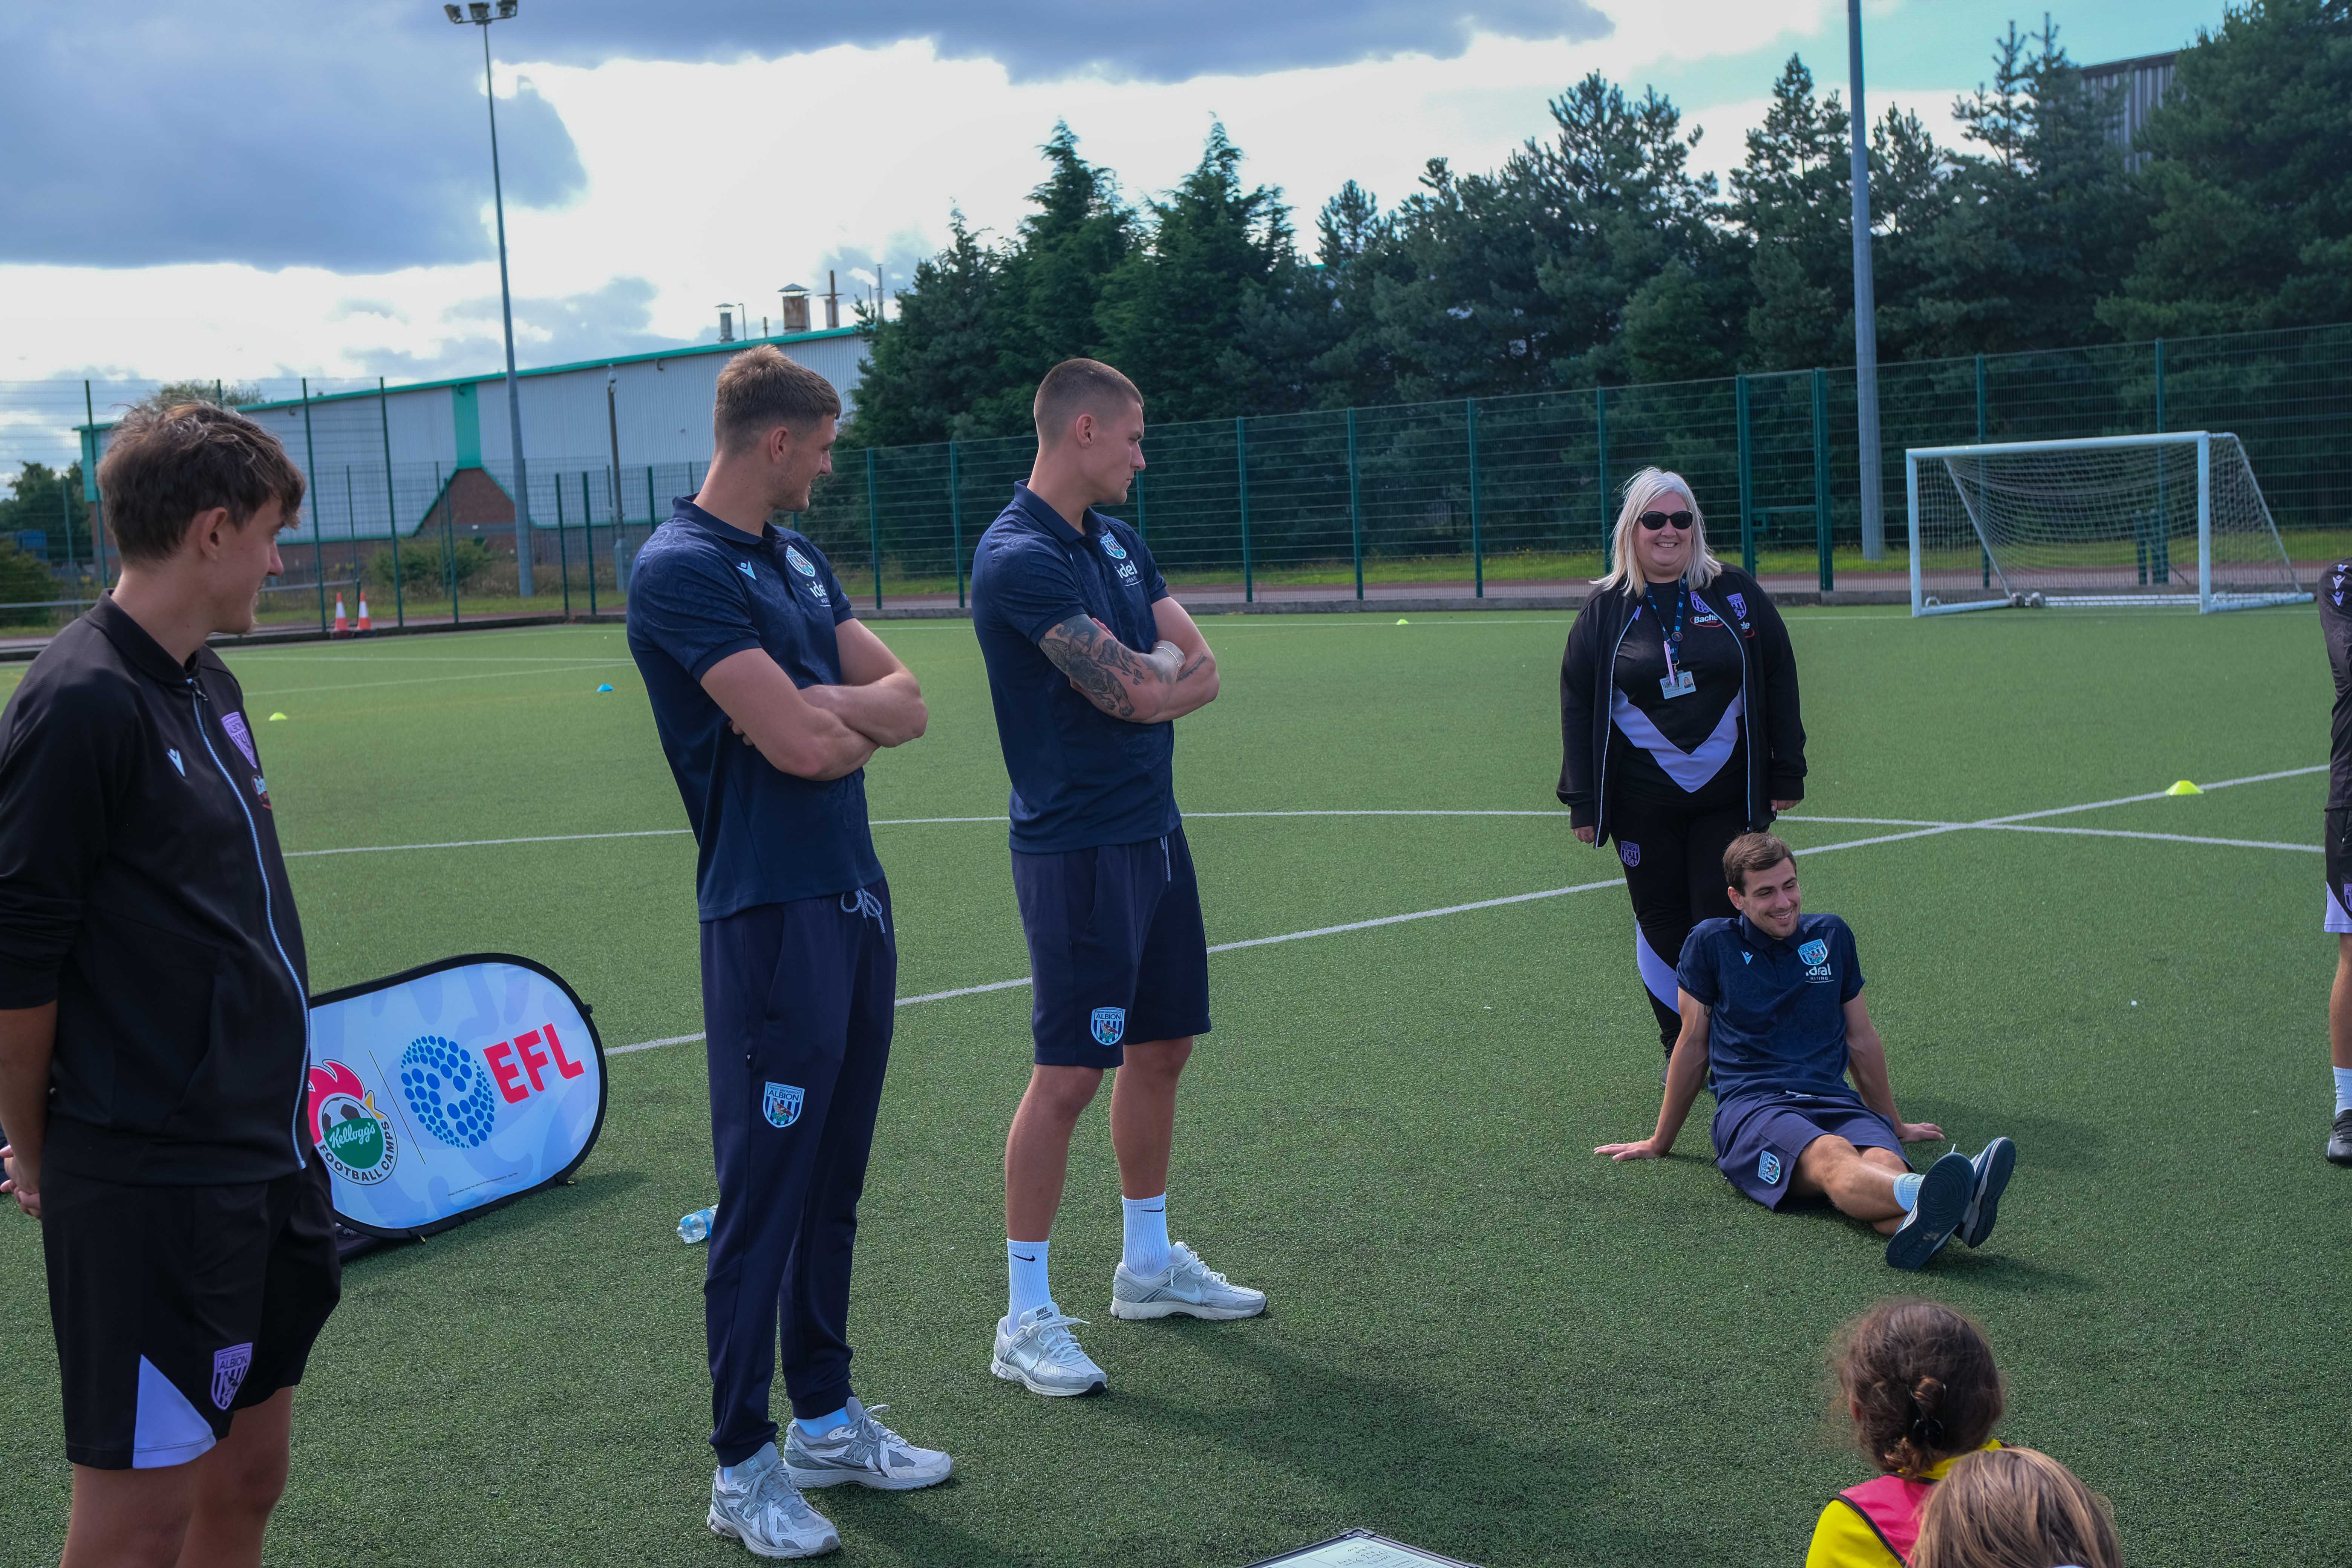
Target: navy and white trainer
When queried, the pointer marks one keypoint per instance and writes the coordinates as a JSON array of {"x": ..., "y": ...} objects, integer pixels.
[
  {"x": 761, "y": 1508},
  {"x": 1941, "y": 1205},
  {"x": 863, "y": 1451},
  {"x": 1992, "y": 1168},
  {"x": 1186, "y": 1288},
  {"x": 1039, "y": 1353}
]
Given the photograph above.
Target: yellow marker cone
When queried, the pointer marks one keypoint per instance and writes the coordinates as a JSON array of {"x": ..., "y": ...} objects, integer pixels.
[
  {"x": 1400, "y": 620},
  {"x": 2184, "y": 787},
  {"x": 275, "y": 717}
]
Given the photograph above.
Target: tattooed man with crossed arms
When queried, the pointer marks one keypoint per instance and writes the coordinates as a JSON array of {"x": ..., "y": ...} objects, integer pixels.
[{"x": 1089, "y": 662}]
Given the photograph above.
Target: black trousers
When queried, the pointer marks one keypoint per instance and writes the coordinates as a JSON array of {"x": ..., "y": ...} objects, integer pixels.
[{"x": 1672, "y": 855}]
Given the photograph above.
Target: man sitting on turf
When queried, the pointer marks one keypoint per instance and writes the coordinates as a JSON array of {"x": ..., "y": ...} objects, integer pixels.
[{"x": 1772, "y": 1012}]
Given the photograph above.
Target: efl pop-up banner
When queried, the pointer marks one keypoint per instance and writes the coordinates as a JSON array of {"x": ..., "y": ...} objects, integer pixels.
[{"x": 444, "y": 1091}]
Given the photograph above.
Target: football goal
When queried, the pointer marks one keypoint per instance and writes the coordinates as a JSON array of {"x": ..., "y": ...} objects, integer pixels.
[{"x": 2117, "y": 520}]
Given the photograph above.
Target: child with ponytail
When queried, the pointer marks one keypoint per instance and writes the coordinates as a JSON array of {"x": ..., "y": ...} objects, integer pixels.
[{"x": 1919, "y": 1383}]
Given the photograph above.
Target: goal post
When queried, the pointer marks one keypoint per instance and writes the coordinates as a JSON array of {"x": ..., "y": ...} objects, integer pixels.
[{"x": 2159, "y": 519}]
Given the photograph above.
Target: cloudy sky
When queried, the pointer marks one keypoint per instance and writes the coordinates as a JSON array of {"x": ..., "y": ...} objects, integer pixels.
[{"x": 250, "y": 191}]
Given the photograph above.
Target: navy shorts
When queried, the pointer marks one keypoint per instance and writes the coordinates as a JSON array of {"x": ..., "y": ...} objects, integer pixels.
[
  {"x": 1117, "y": 951},
  {"x": 1758, "y": 1137}
]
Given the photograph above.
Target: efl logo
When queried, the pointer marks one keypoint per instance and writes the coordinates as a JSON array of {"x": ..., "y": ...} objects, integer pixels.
[{"x": 513, "y": 1061}]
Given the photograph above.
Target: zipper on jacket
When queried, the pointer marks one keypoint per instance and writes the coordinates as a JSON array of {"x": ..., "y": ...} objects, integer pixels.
[
  {"x": 1746, "y": 707},
  {"x": 269, "y": 916}
]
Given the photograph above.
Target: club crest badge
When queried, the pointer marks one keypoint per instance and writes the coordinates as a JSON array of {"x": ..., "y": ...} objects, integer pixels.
[
  {"x": 229, "y": 1367},
  {"x": 799, "y": 562},
  {"x": 1629, "y": 853},
  {"x": 1738, "y": 605},
  {"x": 781, "y": 1104},
  {"x": 237, "y": 732},
  {"x": 1767, "y": 1168},
  {"x": 1814, "y": 952},
  {"x": 1110, "y": 1025},
  {"x": 1112, "y": 548}
]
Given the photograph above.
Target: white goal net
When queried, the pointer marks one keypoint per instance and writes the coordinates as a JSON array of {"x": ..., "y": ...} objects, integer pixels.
[{"x": 2121, "y": 519}]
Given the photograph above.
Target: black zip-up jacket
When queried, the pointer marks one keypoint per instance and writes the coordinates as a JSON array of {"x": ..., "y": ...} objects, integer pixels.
[
  {"x": 1776, "y": 730},
  {"x": 141, "y": 890}
]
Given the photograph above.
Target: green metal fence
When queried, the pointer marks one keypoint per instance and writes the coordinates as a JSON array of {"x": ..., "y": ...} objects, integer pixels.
[{"x": 1469, "y": 493}]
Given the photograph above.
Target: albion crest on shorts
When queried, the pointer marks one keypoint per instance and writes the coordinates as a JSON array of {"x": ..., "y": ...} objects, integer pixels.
[
  {"x": 229, "y": 1367},
  {"x": 1767, "y": 1168},
  {"x": 781, "y": 1104},
  {"x": 1110, "y": 1025},
  {"x": 1629, "y": 853}
]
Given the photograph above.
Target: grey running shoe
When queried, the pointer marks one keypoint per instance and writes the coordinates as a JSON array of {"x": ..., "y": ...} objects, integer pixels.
[
  {"x": 864, "y": 1451},
  {"x": 1041, "y": 1353},
  {"x": 2339, "y": 1142},
  {"x": 1188, "y": 1288},
  {"x": 1992, "y": 1168},
  {"x": 760, "y": 1508},
  {"x": 1942, "y": 1205}
]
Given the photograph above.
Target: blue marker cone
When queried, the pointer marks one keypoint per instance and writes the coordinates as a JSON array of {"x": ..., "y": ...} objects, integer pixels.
[{"x": 604, "y": 688}]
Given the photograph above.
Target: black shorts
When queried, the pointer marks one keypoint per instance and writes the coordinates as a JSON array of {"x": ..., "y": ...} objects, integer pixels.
[
  {"x": 176, "y": 1306},
  {"x": 2336, "y": 908},
  {"x": 1117, "y": 951}
]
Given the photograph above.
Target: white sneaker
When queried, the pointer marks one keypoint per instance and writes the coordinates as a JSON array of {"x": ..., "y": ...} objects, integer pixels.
[
  {"x": 862, "y": 1450},
  {"x": 1187, "y": 1288},
  {"x": 1042, "y": 1354},
  {"x": 762, "y": 1508}
]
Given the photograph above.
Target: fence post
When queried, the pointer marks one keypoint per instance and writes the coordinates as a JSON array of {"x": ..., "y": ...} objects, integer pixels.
[
  {"x": 310, "y": 476},
  {"x": 588, "y": 533},
  {"x": 1600, "y": 436},
  {"x": 1142, "y": 511},
  {"x": 874, "y": 527},
  {"x": 1984, "y": 556},
  {"x": 955, "y": 517},
  {"x": 65, "y": 520},
  {"x": 351, "y": 527},
  {"x": 562, "y": 555},
  {"x": 448, "y": 541},
  {"x": 1822, "y": 478},
  {"x": 1747, "y": 502},
  {"x": 2160, "y": 545},
  {"x": 1478, "y": 544},
  {"x": 1355, "y": 509},
  {"x": 652, "y": 518},
  {"x": 1241, "y": 475},
  {"x": 391, "y": 510},
  {"x": 89, "y": 491}
]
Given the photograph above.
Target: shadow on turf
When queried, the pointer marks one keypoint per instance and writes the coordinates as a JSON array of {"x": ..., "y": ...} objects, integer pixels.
[{"x": 590, "y": 1190}]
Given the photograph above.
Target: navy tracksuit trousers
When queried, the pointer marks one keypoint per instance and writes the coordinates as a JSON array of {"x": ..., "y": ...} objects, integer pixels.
[{"x": 797, "y": 1002}]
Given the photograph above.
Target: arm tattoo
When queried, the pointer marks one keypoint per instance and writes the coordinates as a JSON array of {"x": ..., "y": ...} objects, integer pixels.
[{"x": 1102, "y": 667}]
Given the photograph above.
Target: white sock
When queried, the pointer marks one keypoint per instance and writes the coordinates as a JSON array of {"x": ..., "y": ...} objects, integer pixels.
[
  {"x": 2343, "y": 1090},
  {"x": 1147, "y": 1234},
  {"x": 1025, "y": 1261},
  {"x": 1906, "y": 1190}
]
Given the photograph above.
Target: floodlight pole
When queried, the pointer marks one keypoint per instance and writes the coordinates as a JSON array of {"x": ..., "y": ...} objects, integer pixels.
[
  {"x": 482, "y": 19},
  {"x": 1865, "y": 309}
]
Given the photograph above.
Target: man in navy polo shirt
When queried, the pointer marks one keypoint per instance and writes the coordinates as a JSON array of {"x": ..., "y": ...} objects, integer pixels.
[
  {"x": 769, "y": 696},
  {"x": 1089, "y": 663},
  {"x": 1773, "y": 1017}
]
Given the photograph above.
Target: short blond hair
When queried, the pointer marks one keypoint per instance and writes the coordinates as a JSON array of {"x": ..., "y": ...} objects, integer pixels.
[
  {"x": 1624, "y": 570},
  {"x": 1078, "y": 387},
  {"x": 760, "y": 389},
  {"x": 2003, "y": 1507}
]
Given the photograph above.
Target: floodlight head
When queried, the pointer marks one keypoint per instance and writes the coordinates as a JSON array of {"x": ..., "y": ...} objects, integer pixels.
[
  {"x": 454, "y": 15},
  {"x": 506, "y": 8},
  {"x": 479, "y": 10}
]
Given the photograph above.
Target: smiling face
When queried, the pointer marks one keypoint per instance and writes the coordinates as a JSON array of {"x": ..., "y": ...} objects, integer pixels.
[
  {"x": 1663, "y": 553},
  {"x": 1770, "y": 899}
]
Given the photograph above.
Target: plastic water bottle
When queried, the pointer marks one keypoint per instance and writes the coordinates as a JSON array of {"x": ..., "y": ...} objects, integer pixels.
[{"x": 696, "y": 1226}]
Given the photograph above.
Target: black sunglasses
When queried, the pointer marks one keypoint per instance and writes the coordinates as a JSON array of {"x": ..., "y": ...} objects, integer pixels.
[{"x": 1654, "y": 520}]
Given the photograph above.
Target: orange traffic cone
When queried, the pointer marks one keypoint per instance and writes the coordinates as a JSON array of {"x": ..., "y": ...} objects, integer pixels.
[
  {"x": 365, "y": 626},
  {"x": 342, "y": 622}
]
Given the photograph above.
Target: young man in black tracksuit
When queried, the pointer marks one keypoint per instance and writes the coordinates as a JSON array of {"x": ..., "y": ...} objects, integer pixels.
[
  {"x": 155, "y": 1017},
  {"x": 1679, "y": 723}
]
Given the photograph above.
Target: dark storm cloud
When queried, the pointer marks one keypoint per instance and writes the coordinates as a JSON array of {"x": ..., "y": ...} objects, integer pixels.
[{"x": 351, "y": 136}]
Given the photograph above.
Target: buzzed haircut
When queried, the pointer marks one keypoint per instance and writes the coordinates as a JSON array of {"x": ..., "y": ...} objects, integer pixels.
[
  {"x": 760, "y": 389},
  {"x": 1078, "y": 387},
  {"x": 164, "y": 466},
  {"x": 1752, "y": 852}
]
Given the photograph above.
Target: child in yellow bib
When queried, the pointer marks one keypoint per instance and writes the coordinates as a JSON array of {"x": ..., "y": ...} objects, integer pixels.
[{"x": 1920, "y": 1385}]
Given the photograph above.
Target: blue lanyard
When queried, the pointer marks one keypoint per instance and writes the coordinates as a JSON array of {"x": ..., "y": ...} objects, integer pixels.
[{"x": 1674, "y": 639}]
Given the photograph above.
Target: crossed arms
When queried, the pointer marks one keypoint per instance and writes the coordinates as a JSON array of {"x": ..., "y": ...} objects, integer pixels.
[
  {"x": 821, "y": 733},
  {"x": 1865, "y": 1061},
  {"x": 1178, "y": 677}
]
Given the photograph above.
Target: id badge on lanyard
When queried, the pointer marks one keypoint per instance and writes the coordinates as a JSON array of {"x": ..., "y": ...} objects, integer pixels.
[{"x": 1677, "y": 682}]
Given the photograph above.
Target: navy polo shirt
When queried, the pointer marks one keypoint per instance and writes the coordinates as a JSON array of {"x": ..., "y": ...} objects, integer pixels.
[
  {"x": 699, "y": 592},
  {"x": 1779, "y": 1008},
  {"x": 1080, "y": 778}
]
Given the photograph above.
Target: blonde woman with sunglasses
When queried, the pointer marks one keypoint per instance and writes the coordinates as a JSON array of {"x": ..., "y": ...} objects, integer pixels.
[{"x": 1679, "y": 722}]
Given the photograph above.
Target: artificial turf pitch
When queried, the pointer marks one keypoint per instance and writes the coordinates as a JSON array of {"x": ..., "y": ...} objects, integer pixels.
[{"x": 1483, "y": 1339}]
